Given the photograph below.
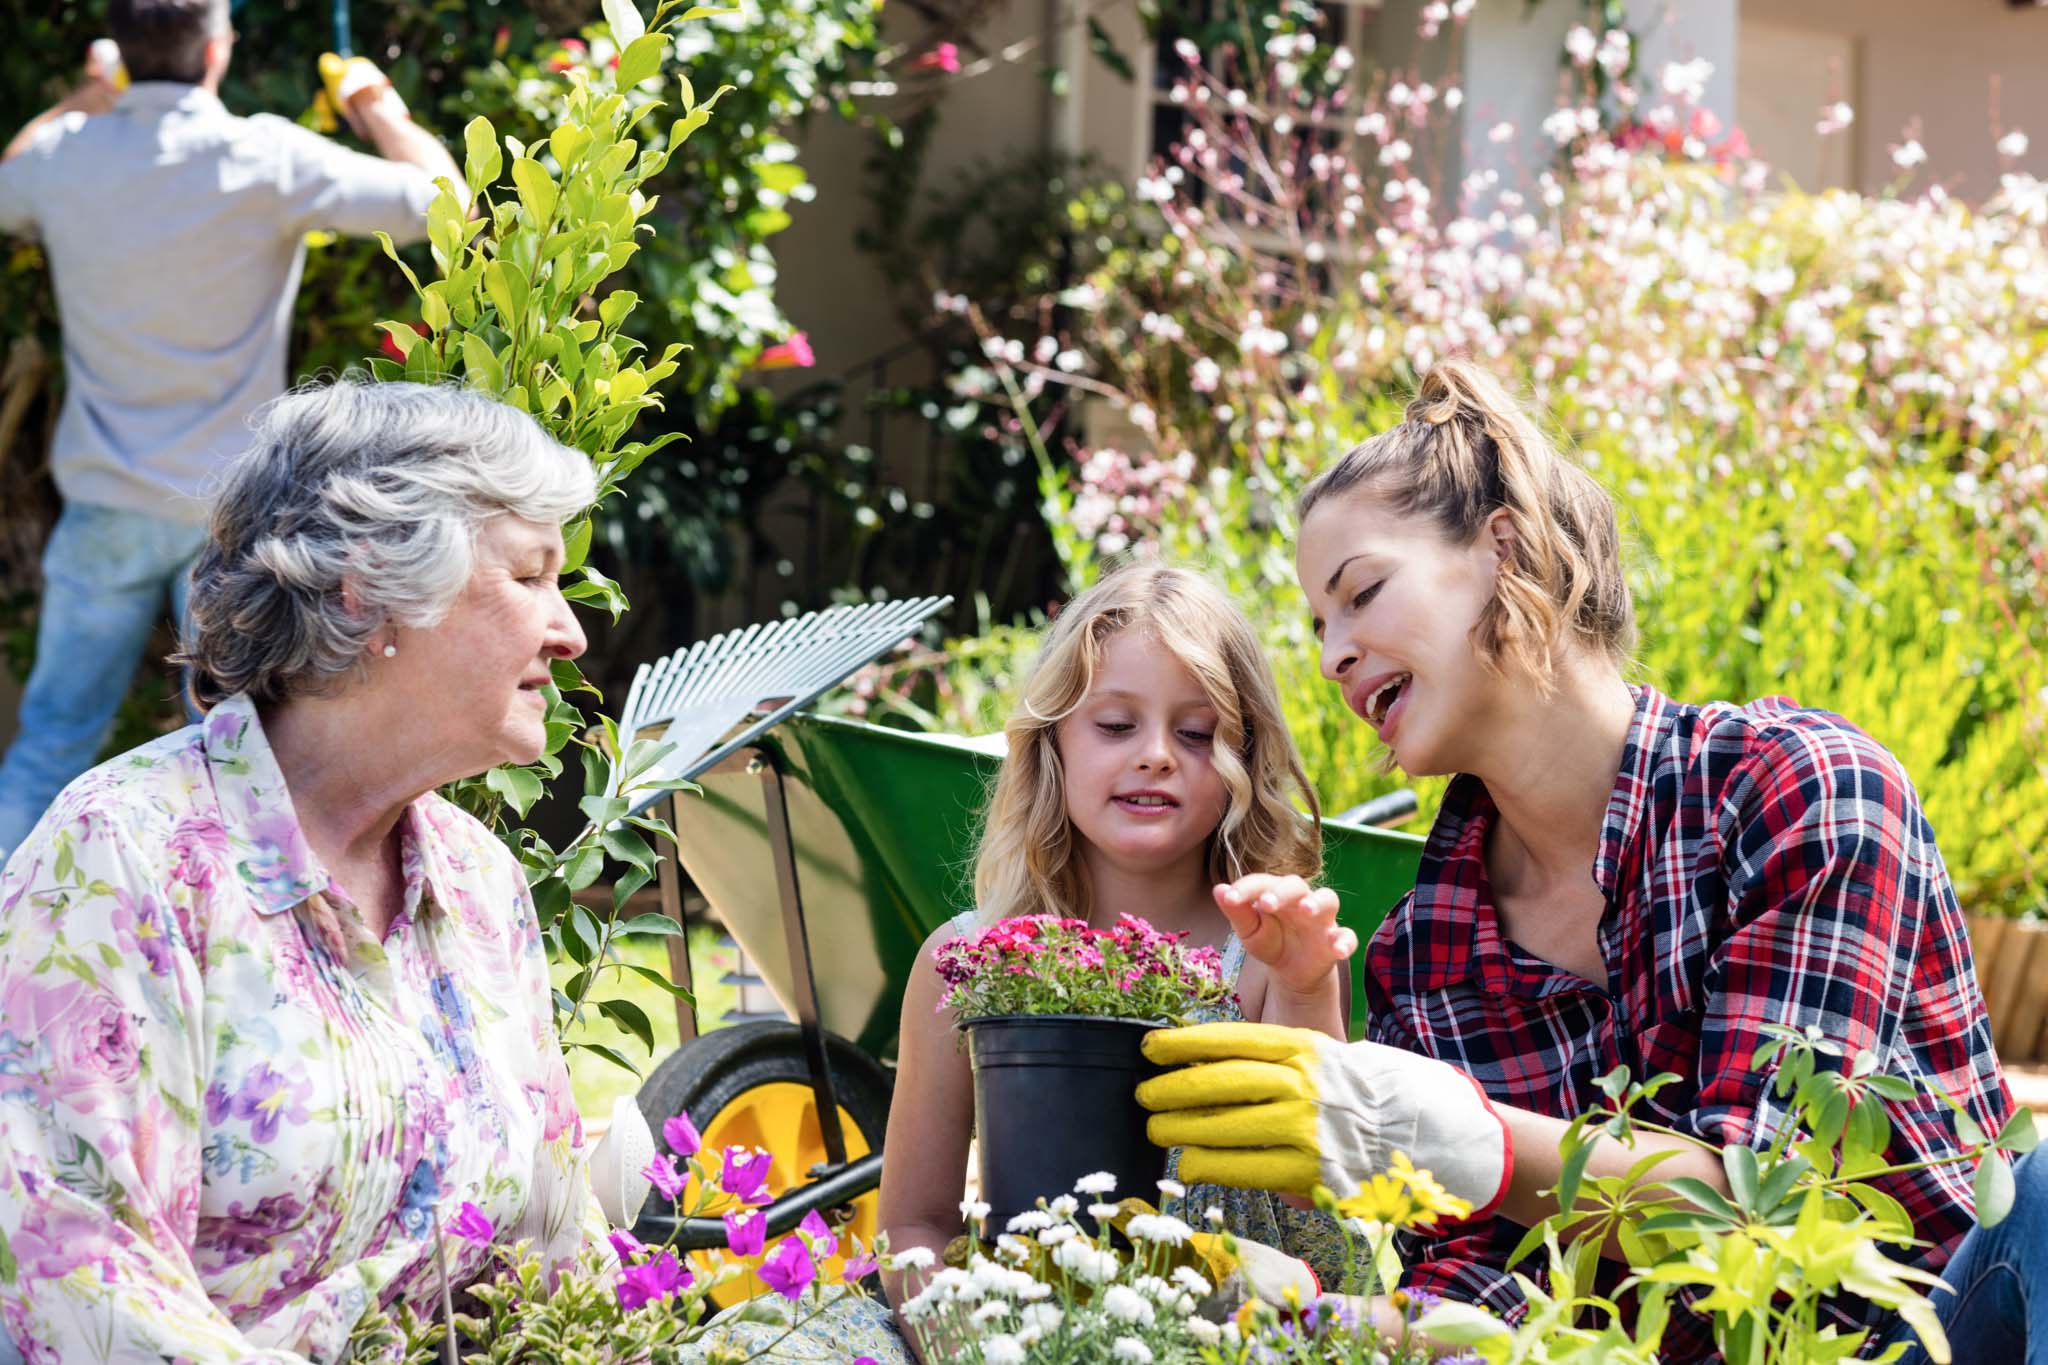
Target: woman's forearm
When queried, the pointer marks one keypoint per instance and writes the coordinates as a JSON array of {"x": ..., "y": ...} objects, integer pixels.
[{"x": 1538, "y": 1164}]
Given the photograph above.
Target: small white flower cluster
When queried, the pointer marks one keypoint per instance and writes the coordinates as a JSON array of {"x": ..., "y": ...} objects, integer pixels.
[{"x": 1053, "y": 1291}]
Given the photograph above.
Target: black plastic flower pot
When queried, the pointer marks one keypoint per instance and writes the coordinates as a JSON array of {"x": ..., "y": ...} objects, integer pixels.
[{"x": 1053, "y": 1102}]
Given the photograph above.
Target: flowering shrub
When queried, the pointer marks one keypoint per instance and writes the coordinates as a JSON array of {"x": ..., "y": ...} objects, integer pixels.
[
  {"x": 647, "y": 1305},
  {"x": 1814, "y": 411},
  {"x": 1038, "y": 964},
  {"x": 1800, "y": 1227}
]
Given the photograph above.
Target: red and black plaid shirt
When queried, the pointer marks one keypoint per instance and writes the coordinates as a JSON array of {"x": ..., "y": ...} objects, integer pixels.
[{"x": 1761, "y": 864}]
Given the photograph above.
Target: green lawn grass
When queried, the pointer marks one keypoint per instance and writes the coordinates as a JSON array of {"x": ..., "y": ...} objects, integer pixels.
[{"x": 597, "y": 1082}]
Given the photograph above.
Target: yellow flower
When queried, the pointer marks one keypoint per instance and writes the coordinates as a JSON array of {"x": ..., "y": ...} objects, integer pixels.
[
  {"x": 1403, "y": 1197},
  {"x": 1430, "y": 1197}
]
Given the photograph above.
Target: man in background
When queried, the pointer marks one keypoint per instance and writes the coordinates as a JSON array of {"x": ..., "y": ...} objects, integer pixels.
[{"x": 175, "y": 234}]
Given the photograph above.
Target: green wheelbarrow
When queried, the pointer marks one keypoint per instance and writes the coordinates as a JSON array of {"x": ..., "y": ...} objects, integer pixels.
[{"x": 830, "y": 849}]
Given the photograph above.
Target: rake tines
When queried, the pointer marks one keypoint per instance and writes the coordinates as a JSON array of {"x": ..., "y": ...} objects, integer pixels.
[{"x": 702, "y": 691}]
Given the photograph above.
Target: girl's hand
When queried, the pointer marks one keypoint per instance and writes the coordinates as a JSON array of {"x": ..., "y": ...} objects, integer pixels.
[{"x": 1290, "y": 926}]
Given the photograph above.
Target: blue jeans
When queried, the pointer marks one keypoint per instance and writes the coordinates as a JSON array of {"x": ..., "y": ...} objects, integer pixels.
[
  {"x": 105, "y": 575},
  {"x": 1998, "y": 1310}
]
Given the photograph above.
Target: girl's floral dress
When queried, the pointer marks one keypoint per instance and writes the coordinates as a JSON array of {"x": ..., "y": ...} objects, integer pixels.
[
  {"x": 230, "y": 1118},
  {"x": 850, "y": 1327}
]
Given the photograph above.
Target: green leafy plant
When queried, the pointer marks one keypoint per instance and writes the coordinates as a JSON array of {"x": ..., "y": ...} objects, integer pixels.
[{"x": 519, "y": 306}]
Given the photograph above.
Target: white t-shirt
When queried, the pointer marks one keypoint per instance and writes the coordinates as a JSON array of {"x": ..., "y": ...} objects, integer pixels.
[{"x": 175, "y": 232}]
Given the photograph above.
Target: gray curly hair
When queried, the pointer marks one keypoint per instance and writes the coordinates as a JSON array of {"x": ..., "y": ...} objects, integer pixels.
[{"x": 378, "y": 487}]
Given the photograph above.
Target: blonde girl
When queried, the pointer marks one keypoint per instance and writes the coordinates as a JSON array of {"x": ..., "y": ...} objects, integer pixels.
[{"x": 1148, "y": 769}]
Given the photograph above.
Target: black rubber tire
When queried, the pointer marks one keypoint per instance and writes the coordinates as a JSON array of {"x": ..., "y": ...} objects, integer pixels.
[{"x": 709, "y": 1073}]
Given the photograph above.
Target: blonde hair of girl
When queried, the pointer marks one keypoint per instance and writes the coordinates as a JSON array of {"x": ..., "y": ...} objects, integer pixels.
[
  {"x": 1466, "y": 448},
  {"x": 1029, "y": 862}
]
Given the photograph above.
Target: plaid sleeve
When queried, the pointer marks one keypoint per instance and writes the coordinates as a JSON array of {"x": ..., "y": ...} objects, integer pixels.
[{"x": 1827, "y": 861}]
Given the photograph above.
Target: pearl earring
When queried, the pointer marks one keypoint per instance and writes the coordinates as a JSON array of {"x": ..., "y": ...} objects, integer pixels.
[{"x": 391, "y": 651}]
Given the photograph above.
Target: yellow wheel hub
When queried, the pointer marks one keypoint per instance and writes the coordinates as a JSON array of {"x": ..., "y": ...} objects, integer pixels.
[{"x": 781, "y": 1118}]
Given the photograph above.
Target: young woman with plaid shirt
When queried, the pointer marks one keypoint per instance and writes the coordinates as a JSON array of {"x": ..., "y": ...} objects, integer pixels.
[{"x": 1614, "y": 879}]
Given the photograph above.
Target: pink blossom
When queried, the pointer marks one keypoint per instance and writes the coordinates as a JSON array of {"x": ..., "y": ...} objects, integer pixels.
[
  {"x": 789, "y": 1270},
  {"x": 470, "y": 1224},
  {"x": 793, "y": 354},
  {"x": 822, "y": 1242},
  {"x": 944, "y": 58},
  {"x": 662, "y": 1172},
  {"x": 743, "y": 1174},
  {"x": 651, "y": 1281},
  {"x": 681, "y": 1135},
  {"x": 745, "y": 1232}
]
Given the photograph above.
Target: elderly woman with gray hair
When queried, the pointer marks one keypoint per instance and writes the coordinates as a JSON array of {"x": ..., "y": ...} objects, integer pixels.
[{"x": 271, "y": 1010}]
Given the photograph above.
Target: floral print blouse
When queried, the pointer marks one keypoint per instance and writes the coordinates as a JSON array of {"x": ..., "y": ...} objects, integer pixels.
[{"x": 231, "y": 1119}]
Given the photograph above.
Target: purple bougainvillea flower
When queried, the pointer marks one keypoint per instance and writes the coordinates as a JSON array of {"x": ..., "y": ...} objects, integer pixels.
[
  {"x": 746, "y": 1232},
  {"x": 626, "y": 1244},
  {"x": 823, "y": 1243},
  {"x": 789, "y": 1269},
  {"x": 471, "y": 1226},
  {"x": 662, "y": 1171},
  {"x": 651, "y": 1281},
  {"x": 743, "y": 1174},
  {"x": 859, "y": 1265},
  {"x": 681, "y": 1135}
]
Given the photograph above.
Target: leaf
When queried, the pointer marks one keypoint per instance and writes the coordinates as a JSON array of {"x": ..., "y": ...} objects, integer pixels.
[
  {"x": 640, "y": 60},
  {"x": 1740, "y": 1164},
  {"x": 518, "y": 786},
  {"x": 582, "y": 867},
  {"x": 705, "y": 12},
  {"x": 482, "y": 162},
  {"x": 402, "y": 336},
  {"x": 575, "y": 544},
  {"x": 1993, "y": 1190},
  {"x": 679, "y": 992},
  {"x": 2019, "y": 1134},
  {"x": 629, "y": 1017},
  {"x": 1106, "y": 51},
  {"x": 627, "y": 846},
  {"x": 624, "y": 20},
  {"x": 653, "y": 922},
  {"x": 567, "y": 142},
  {"x": 480, "y": 364},
  {"x": 1704, "y": 1195},
  {"x": 434, "y": 310},
  {"x": 537, "y": 190},
  {"x": 506, "y": 285},
  {"x": 1461, "y": 1324},
  {"x": 778, "y": 176},
  {"x": 609, "y": 1055},
  {"x": 1573, "y": 1170},
  {"x": 616, "y": 306}
]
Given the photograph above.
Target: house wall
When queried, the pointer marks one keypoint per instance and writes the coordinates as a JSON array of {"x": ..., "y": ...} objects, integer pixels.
[{"x": 1938, "y": 61}]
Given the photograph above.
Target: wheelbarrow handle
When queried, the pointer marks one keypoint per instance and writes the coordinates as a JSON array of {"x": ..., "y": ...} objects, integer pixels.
[{"x": 1391, "y": 809}]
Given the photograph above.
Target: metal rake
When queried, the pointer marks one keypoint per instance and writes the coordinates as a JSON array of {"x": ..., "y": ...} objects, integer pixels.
[{"x": 702, "y": 691}]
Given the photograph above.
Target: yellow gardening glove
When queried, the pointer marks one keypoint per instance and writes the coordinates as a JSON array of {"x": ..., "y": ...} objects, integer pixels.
[
  {"x": 1258, "y": 1106},
  {"x": 350, "y": 83}
]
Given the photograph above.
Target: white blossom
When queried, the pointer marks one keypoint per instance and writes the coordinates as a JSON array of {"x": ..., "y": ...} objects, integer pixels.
[{"x": 1126, "y": 1304}]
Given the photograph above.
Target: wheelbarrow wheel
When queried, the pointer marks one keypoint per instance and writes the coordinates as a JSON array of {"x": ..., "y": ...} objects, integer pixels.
[{"x": 749, "y": 1085}]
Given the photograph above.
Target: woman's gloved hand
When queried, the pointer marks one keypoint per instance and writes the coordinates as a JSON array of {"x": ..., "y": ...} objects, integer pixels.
[{"x": 1262, "y": 1107}]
